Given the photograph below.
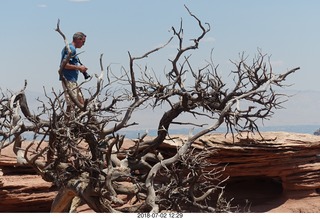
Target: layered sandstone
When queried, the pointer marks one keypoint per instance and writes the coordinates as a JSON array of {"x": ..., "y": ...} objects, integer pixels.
[{"x": 292, "y": 160}]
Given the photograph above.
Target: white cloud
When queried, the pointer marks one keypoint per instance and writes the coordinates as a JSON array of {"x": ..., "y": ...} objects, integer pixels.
[
  {"x": 79, "y": 0},
  {"x": 42, "y": 6}
]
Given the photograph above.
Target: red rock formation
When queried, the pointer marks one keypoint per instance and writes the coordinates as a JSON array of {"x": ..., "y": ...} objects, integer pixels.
[
  {"x": 290, "y": 157},
  {"x": 20, "y": 189},
  {"x": 278, "y": 172},
  {"x": 252, "y": 162}
]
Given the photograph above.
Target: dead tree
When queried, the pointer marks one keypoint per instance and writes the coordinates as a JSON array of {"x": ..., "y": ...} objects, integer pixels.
[{"x": 85, "y": 157}]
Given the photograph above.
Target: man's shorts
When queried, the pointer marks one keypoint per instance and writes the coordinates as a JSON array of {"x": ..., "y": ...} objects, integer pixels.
[{"x": 73, "y": 86}]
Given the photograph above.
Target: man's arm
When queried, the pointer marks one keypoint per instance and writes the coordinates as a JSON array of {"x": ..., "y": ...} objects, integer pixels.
[{"x": 80, "y": 68}]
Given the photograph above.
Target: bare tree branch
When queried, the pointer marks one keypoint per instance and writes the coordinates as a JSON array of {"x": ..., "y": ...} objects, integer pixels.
[{"x": 87, "y": 158}]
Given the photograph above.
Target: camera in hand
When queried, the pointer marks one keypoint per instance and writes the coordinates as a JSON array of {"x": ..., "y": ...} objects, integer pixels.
[{"x": 86, "y": 75}]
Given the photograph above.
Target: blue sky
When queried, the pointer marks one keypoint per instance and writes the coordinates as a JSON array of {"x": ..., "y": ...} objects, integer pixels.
[{"x": 288, "y": 30}]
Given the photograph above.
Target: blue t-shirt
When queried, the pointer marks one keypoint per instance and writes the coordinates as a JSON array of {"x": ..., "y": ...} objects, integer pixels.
[{"x": 70, "y": 75}]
